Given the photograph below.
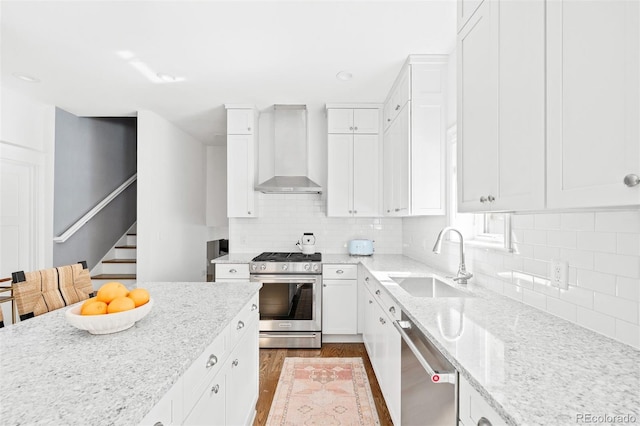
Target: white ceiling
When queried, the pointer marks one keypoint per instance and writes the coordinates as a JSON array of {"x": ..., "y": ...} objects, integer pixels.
[{"x": 260, "y": 52}]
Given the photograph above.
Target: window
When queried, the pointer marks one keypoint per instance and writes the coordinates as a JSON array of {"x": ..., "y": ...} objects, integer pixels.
[{"x": 482, "y": 229}]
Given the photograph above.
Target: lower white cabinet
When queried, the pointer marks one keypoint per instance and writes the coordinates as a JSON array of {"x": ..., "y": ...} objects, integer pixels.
[
  {"x": 231, "y": 272},
  {"x": 473, "y": 409},
  {"x": 340, "y": 299}
]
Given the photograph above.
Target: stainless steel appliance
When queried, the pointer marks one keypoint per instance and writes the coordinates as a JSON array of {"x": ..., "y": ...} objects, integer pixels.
[
  {"x": 428, "y": 381},
  {"x": 290, "y": 299}
]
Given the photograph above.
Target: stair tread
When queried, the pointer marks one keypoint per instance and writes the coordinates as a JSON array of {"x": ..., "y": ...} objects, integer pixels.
[
  {"x": 119, "y": 261},
  {"x": 125, "y": 247},
  {"x": 132, "y": 235},
  {"x": 114, "y": 277}
]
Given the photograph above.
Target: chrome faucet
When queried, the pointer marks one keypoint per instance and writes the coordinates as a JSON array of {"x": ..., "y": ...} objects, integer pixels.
[{"x": 463, "y": 275}]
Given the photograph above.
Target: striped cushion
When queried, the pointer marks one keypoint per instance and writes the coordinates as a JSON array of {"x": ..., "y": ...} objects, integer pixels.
[
  {"x": 38, "y": 293},
  {"x": 75, "y": 283}
]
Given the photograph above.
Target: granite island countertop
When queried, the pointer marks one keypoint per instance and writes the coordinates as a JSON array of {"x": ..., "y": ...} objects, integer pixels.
[{"x": 54, "y": 373}]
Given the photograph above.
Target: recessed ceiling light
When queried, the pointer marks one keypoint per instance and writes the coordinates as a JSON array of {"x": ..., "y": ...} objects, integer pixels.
[
  {"x": 26, "y": 77},
  {"x": 344, "y": 76}
]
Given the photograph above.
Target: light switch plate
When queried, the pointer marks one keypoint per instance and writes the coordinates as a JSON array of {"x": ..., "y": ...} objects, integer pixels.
[{"x": 559, "y": 274}]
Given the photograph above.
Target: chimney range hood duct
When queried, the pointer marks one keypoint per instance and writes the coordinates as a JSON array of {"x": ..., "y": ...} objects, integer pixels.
[{"x": 290, "y": 153}]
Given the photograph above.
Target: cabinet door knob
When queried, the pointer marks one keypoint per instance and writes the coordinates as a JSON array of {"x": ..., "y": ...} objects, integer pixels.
[
  {"x": 324, "y": 285},
  {"x": 366, "y": 279},
  {"x": 377, "y": 292},
  {"x": 370, "y": 302},
  {"x": 158, "y": 424},
  {"x": 491, "y": 198},
  {"x": 483, "y": 199},
  {"x": 213, "y": 360},
  {"x": 631, "y": 180},
  {"x": 396, "y": 210},
  {"x": 388, "y": 119},
  {"x": 483, "y": 421},
  {"x": 350, "y": 128},
  {"x": 382, "y": 321},
  {"x": 254, "y": 306},
  {"x": 339, "y": 272},
  {"x": 232, "y": 271},
  {"x": 392, "y": 310},
  {"x": 249, "y": 213},
  {"x": 215, "y": 389},
  {"x": 235, "y": 362},
  {"x": 355, "y": 128},
  {"x": 240, "y": 325},
  {"x": 388, "y": 211},
  {"x": 350, "y": 211},
  {"x": 355, "y": 212},
  {"x": 249, "y": 128},
  {"x": 397, "y": 107}
]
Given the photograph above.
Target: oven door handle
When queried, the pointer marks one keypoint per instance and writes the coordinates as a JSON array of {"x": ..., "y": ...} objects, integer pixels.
[
  {"x": 288, "y": 336},
  {"x": 273, "y": 279},
  {"x": 436, "y": 377}
]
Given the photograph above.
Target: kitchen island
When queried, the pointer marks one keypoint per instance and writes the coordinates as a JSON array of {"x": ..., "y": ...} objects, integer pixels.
[{"x": 53, "y": 373}]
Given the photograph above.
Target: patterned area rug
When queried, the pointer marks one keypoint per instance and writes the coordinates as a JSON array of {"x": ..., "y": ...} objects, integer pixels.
[{"x": 323, "y": 391}]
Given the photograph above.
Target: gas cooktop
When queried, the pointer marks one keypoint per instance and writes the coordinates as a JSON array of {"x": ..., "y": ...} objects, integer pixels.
[{"x": 287, "y": 257}]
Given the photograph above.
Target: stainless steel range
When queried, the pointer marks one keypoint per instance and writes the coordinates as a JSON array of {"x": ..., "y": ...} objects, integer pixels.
[{"x": 290, "y": 299}]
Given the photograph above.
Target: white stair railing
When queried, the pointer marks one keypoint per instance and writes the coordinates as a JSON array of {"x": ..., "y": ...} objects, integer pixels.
[{"x": 94, "y": 211}]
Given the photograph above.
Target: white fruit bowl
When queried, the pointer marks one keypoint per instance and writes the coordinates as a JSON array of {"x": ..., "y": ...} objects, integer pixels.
[{"x": 107, "y": 323}]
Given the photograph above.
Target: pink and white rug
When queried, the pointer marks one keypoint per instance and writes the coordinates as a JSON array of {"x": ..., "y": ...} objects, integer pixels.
[{"x": 323, "y": 391}]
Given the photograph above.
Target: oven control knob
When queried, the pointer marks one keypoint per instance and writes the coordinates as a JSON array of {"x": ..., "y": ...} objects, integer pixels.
[
  {"x": 263, "y": 267},
  {"x": 315, "y": 267},
  {"x": 307, "y": 266},
  {"x": 285, "y": 267},
  {"x": 254, "y": 266}
]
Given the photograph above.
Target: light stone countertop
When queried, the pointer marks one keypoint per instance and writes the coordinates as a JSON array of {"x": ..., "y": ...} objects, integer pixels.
[
  {"x": 53, "y": 373},
  {"x": 235, "y": 258},
  {"x": 532, "y": 367}
]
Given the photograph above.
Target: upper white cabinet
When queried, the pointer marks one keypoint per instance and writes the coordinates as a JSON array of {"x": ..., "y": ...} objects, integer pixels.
[
  {"x": 241, "y": 162},
  {"x": 465, "y": 10},
  {"x": 593, "y": 103},
  {"x": 414, "y": 139},
  {"x": 353, "y": 178},
  {"x": 356, "y": 120},
  {"x": 501, "y": 107}
]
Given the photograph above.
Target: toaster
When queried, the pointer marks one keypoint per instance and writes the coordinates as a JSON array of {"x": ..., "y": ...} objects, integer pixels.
[{"x": 360, "y": 247}]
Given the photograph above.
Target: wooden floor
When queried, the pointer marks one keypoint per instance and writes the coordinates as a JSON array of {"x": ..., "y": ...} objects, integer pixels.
[{"x": 271, "y": 364}]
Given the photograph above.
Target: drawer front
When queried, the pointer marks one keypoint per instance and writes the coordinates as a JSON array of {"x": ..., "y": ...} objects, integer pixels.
[
  {"x": 240, "y": 323},
  {"x": 232, "y": 270},
  {"x": 382, "y": 296},
  {"x": 339, "y": 272},
  {"x": 203, "y": 369}
]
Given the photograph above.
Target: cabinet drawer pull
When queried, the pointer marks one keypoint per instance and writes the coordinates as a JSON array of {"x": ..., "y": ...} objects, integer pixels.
[
  {"x": 232, "y": 271},
  {"x": 215, "y": 388},
  {"x": 382, "y": 321},
  {"x": 248, "y": 212},
  {"x": 377, "y": 292},
  {"x": 355, "y": 128},
  {"x": 483, "y": 421},
  {"x": 631, "y": 180},
  {"x": 491, "y": 198},
  {"x": 350, "y": 128},
  {"x": 392, "y": 310},
  {"x": 483, "y": 199},
  {"x": 254, "y": 306},
  {"x": 355, "y": 211},
  {"x": 235, "y": 362},
  {"x": 397, "y": 107},
  {"x": 366, "y": 279},
  {"x": 240, "y": 325},
  {"x": 339, "y": 272},
  {"x": 249, "y": 128},
  {"x": 350, "y": 211},
  {"x": 213, "y": 360},
  {"x": 158, "y": 424},
  {"x": 388, "y": 119},
  {"x": 370, "y": 302},
  {"x": 324, "y": 285}
]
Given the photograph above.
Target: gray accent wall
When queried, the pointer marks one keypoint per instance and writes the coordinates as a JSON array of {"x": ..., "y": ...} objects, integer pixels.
[{"x": 93, "y": 156}]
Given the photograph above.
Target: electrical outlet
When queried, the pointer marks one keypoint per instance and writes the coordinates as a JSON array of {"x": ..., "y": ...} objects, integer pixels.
[{"x": 559, "y": 274}]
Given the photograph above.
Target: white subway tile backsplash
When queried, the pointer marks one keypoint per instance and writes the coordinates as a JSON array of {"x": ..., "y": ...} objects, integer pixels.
[
  {"x": 536, "y": 267},
  {"x": 532, "y": 298},
  {"x": 577, "y": 221},
  {"x": 628, "y": 288},
  {"x": 522, "y": 221},
  {"x": 535, "y": 236},
  {"x": 596, "y": 321},
  {"x": 597, "y": 281},
  {"x": 522, "y": 280},
  {"x": 543, "y": 286},
  {"x": 512, "y": 291},
  {"x": 629, "y": 244},
  {"x": 618, "y": 264},
  {"x": 623, "y": 221},
  {"x": 577, "y": 258},
  {"x": 562, "y": 239},
  {"x": 578, "y": 296},
  {"x": 625, "y": 310},
  {"x": 562, "y": 309},
  {"x": 546, "y": 253},
  {"x": 547, "y": 221},
  {"x": 628, "y": 333},
  {"x": 597, "y": 241}
]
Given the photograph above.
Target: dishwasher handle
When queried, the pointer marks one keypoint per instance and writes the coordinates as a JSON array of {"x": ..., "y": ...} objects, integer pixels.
[{"x": 436, "y": 376}]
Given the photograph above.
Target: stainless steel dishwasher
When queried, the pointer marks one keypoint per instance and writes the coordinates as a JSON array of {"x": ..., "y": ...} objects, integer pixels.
[{"x": 428, "y": 381}]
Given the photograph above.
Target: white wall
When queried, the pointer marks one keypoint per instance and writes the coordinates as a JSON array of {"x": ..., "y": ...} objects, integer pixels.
[
  {"x": 602, "y": 249},
  {"x": 216, "y": 198},
  {"x": 171, "y": 202},
  {"x": 285, "y": 217}
]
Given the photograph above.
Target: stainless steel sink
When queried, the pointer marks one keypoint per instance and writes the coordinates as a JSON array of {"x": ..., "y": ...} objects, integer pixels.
[{"x": 428, "y": 287}]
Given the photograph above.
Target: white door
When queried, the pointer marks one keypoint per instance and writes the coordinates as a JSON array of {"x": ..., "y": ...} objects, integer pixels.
[
  {"x": 340, "y": 120},
  {"x": 239, "y": 186},
  {"x": 240, "y": 121},
  {"x": 366, "y": 121},
  {"x": 366, "y": 176},
  {"x": 339, "y": 306},
  {"x": 477, "y": 110},
  {"x": 340, "y": 175},
  {"x": 593, "y": 103}
]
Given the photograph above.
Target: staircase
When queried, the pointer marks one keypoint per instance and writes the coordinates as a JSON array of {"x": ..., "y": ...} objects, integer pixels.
[{"x": 119, "y": 264}]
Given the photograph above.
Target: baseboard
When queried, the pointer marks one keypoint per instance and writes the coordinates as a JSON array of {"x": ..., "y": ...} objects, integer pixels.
[{"x": 342, "y": 338}]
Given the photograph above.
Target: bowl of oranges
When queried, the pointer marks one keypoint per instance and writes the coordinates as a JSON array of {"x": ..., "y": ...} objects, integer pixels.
[{"x": 114, "y": 308}]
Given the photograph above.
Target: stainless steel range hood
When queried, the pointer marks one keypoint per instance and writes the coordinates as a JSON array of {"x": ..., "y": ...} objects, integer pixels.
[{"x": 290, "y": 138}]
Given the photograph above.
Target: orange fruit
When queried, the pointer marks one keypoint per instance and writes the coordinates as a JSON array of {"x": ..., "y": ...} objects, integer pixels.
[
  {"x": 120, "y": 304},
  {"x": 94, "y": 307},
  {"x": 140, "y": 296},
  {"x": 110, "y": 291},
  {"x": 86, "y": 302}
]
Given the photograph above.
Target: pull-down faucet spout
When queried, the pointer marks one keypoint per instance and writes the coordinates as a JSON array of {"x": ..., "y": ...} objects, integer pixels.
[{"x": 463, "y": 275}]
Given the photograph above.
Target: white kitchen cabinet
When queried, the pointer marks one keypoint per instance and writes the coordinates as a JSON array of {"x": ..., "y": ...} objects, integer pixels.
[
  {"x": 353, "y": 120},
  {"x": 169, "y": 410},
  {"x": 339, "y": 299},
  {"x": 593, "y": 114},
  {"x": 231, "y": 272},
  {"x": 210, "y": 408},
  {"x": 465, "y": 9},
  {"x": 472, "y": 407},
  {"x": 414, "y": 141},
  {"x": 241, "y": 165},
  {"x": 241, "y": 121},
  {"x": 353, "y": 177},
  {"x": 242, "y": 379},
  {"x": 501, "y": 119}
]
